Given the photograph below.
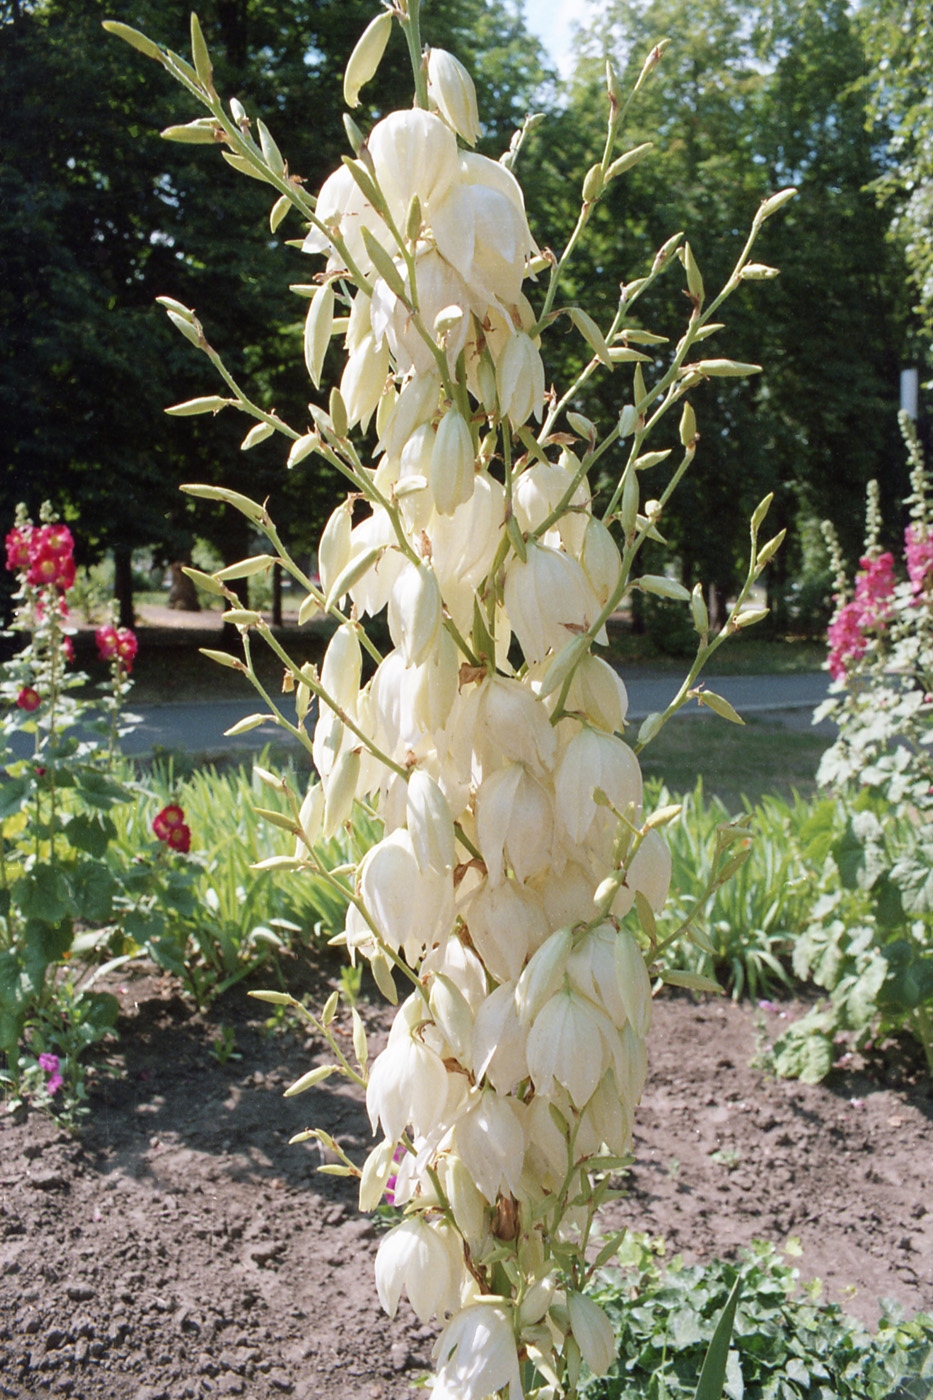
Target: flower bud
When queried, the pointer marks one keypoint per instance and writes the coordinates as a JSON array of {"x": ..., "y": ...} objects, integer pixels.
[
  {"x": 451, "y": 89},
  {"x": 430, "y": 824},
  {"x": 333, "y": 553},
  {"x": 319, "y": 327},
  {"x": 452, "y": 474},
  {"x": 415, "y": 612},
  {"x": 366, "y": 57}
]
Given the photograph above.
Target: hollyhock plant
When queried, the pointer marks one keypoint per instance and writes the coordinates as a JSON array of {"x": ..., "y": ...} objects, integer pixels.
[{"x": 515, "y": 882}]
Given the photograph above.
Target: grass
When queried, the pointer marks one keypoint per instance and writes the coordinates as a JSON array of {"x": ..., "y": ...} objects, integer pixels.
[
  {"x": 742, "y": 655},
  {"x": 751, "y": 760}
]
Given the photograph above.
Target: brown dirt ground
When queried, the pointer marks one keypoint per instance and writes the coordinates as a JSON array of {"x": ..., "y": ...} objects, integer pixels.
[{"x": 179, "y": 1248}]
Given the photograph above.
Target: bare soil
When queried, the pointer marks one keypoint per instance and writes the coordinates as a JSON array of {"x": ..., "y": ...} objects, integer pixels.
[{"x": 178, "y": 1247}]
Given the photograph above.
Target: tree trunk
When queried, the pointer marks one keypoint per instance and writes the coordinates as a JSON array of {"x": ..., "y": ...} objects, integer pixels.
[
  {"x": 123, "y": 585},
  {"x": 276, "y": 595}
]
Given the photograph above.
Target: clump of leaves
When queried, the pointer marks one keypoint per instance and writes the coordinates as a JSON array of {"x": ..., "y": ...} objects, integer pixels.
[{"x": 785, "y": 1344}]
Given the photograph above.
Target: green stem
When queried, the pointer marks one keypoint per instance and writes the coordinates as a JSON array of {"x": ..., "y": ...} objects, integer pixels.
[{"x": 411, "y": 27}]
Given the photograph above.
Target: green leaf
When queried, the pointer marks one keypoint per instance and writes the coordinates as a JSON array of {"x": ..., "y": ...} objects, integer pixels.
[
  {"x": 91, "y": 834},
  {"x": 94, "y": 888},
  {"x": 13, "y": 793},
  {"x": 713, "y": 1374},
  {"x": 45, "y": 894}
]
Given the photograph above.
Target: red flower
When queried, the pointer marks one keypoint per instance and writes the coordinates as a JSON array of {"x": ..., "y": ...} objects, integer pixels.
[
  {"x": 179, "y": 839},
  {"x": 28, "y": 699},
  {"x": 69, "y": 649},
  {"x": 169, "y": 826}
]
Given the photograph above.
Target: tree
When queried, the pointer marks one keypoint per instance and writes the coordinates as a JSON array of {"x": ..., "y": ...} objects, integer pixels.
[
  {"x": 748, "y": 99},
  {"x": 99, "y": 216},
  {"x": 898, "y": 38}
]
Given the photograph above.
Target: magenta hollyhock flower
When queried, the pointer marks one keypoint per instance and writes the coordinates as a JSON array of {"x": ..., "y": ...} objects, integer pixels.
[
  {"x": 29, "y": 698},
  {"x": 49, "y": 1065},
  {"x": 106, "y": 639},
  {"x": 126, "y": 648},
  {"x": 117, "y": 642},
  {"x": 17, "y": 549},
  {"x": 69, "y": 649}
]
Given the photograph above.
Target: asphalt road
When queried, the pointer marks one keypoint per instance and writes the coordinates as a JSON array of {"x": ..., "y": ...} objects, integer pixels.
[{"x": 199, "y": 727}]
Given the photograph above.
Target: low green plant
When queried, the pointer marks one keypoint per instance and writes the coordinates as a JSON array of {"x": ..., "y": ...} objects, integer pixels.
[
  {"x": 214, "y": 918},
  {"x": 743, "y": 935},
  {"x": 785, "y": 1344}
]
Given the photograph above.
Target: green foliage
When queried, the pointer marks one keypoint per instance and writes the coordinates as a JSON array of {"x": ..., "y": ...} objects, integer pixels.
[
  {"x": 214, "y": 919},
  {"x": 869, "y": 939},
  {"x": 744, "y": 934},
  {"x": 784, "y": 1346}
]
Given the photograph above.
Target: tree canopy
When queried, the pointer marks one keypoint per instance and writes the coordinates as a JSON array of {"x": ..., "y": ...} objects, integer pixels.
[{"x": 98, "y": 216}]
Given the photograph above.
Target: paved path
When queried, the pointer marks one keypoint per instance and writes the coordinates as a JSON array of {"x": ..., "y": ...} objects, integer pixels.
[{"x": 199, "y": 727}]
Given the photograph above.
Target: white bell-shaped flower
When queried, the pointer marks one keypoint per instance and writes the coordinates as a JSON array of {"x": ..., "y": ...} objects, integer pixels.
[
  {"x": 476, "y": 1355},
  {"x": 363, "y": 381},
  {"x": 430, "y": 824},
  {"x": 342, "y": 667},
  {"x": 512, "y": 724},
  {"x": 520, "y": 380},
  {"x": 507, "y": 923},
  {"x": 451, "y": 90},
  {"x": 548, "y": 600},
  {"x": 425, "y": 1259},
  {"x": 452, "y": 474},
  {"x": 514, "y": 823},
  {"x": 573, "y": 1042},
  {"x": 649, "y": 872},
  {"x": 499, "y": 1041},
  {"x": 388, "y": 874},
  {"x": 413, "y": 153},
  {"x": 490, "y": 1139},
  {"x": 415, "y": 612},
  {"x": 599, "y": 693},
  {"x": 593, "y": 1332},
  {"x": 594, "y": 760},
  {"x": 407, "y": 1084}
]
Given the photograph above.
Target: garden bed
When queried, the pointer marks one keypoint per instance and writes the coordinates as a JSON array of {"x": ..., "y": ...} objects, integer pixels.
[{"x": 178, "y": 1247}]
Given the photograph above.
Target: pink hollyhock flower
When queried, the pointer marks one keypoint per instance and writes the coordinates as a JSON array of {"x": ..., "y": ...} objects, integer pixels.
[
  {"x": 49, "y": 1065},
  {"x": 69, "y": 649},
  {"x": 28, "y": 699},
  {"x": 918, "y": 549},
  {"x": 846, "y": 640},
  {"x": 17, "y": 549},
  {"x": 874, "y": 589}
]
